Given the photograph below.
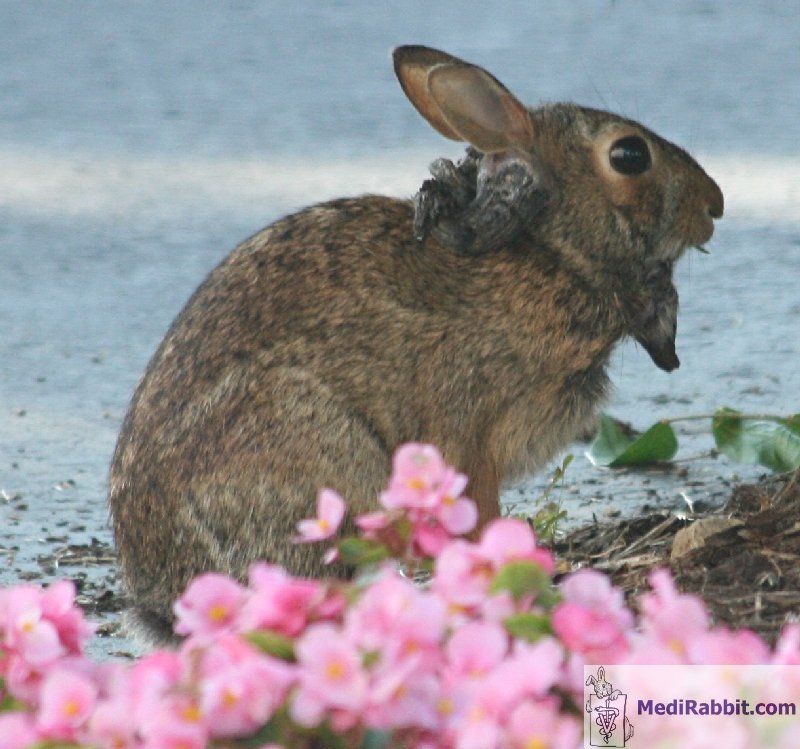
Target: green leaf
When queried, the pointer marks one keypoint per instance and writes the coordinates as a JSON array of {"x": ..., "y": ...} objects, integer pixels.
[
  {"x": 326, "y": 737},
  {"x": 657, "y": 445},
  {"x": 527, "y": 626},
  {"x": 374, "y": 739},
  {"x": 520, "y": 578},
  {"x": 272, "y": 643},
  {"x": 7, "y": 702},
  {"x": 546, "y": 522},
  {"x": 610, "y": 442},
  {"x": 613, "y": 448},
  {"x": 774, "y": 443},
  {"x": 359, "y": 551}
]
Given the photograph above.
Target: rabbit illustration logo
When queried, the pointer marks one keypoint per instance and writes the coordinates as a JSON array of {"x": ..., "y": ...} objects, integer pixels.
[
  {"x": 479, "y": 317},
  {"x": 605, "y": 706}
]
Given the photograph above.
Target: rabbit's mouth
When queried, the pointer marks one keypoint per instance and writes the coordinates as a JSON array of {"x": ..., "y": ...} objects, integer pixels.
[
  {"x": 669, "y": 252},
  {"x": 695, "y": 233}
]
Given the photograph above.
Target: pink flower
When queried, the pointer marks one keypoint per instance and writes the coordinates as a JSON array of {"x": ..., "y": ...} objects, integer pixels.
[
  {"x": 670, "y": 618},
  {"x": 241, "y": 688},
  {"x": 209, "y": 606},
  {"x": 787, "y": 648},
  {"x": 476, "y": 648},
  {"x": 58, "y": 607},
  {"x": 148, "y": 680},
  {"x": 278, "y": 601},
  {"x": 331, "y": 675},
  {"x": 507, "y": 540},
  {"x": 373, "y": 521},
  {"x": 540, "y": 725},
  {"x": 42, "y": 625},
  {"x": 112, "y": 725},
  {"x": 330, "y": 511},
  {"x": 66, "y": 701},
  {"x": 530, "y": 671},
  {"x": 17, "y": 731},
  {"x": 429, "y": 538},
  {"x": 418, "y": 478},
  {"x": 476, "y": 719},
  {"x": 240, "y": 699},
  {"x": 721, "y": 646},
  {"x": 393, "y": 612},
  {"x": 457, "y": 514},
  {"x": 176, "y": 734},
  {"x": 402, "y": 693},
  {"x": 465, "y": 572},
  {"x": 28, "y": 631},
  {"x": 462, "y": 576},
  {"x": 23, "y": 679},
  {"x": 593, "y": 618},
  {"x": 176, "y": 718}
]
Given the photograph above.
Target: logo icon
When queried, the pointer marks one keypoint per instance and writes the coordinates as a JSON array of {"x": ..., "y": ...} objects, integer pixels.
[{"x": 608, "y": 724}]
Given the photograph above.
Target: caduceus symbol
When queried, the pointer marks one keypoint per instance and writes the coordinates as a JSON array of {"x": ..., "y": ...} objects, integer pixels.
[
  {"x": 606, "y": 715},
  {"x": 606, "y": 720}
]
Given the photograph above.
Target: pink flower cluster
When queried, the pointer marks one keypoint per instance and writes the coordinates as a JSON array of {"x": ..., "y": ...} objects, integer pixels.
[
  {"x": 427, "y": 492},
  {"x": 488, "y": 653}
]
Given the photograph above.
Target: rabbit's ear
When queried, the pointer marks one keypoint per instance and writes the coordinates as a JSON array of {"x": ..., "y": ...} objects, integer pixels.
[
  {"x": 480, "y": 109},
  {"x": 463, "y": 101},
  {"x": 412, "y": 63}
]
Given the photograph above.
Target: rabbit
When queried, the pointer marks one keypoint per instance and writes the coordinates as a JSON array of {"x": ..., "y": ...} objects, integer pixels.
[
  {"x": 602, "y": 688},
  {"x": 481, "y": 321}
]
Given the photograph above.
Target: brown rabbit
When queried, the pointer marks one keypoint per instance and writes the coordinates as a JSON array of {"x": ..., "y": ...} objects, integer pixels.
[{"x": 484, "y": 325}]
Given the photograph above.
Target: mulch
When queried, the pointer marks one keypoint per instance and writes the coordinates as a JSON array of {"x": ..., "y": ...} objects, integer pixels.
[{"x": 742, "y": 559}]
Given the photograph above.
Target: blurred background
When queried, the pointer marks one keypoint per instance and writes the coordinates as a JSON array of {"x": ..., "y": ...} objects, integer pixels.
[{"x": 139, "y": 142}]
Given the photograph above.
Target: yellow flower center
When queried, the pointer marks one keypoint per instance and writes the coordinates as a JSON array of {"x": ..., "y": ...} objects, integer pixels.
[
  {"x": 457, "y": 608},
  {"x": 218, "y": 612},
  {"x": 535, "y": 742},
  {"x": 445, "y": 706},
  {"x": 229, "y": 699},
  {"x": 676, "y": 646},
  {"x": 411, "y": 647},
  {"x": 334, "y": 670},
  {"x": 191, "y": 713},
  {"x": 417, "y": 484},
  {"x": 71, "y": 708},
  {"x": 323, "y": 525}
]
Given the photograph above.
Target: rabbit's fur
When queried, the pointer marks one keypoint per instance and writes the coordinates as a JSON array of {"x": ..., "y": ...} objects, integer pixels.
[{"x": 483, "y": 324}]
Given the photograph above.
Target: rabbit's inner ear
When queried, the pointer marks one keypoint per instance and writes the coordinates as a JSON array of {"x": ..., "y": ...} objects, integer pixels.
[
  {"x": 479, "y": 108},
  {"x": 412, "y": 72}
]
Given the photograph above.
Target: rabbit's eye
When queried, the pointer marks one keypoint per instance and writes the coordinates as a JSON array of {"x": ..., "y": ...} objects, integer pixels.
[{"x": 630, "y": 155}]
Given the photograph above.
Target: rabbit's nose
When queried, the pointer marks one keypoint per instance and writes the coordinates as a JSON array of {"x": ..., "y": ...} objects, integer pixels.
[{"x": 715, "y": 201}]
